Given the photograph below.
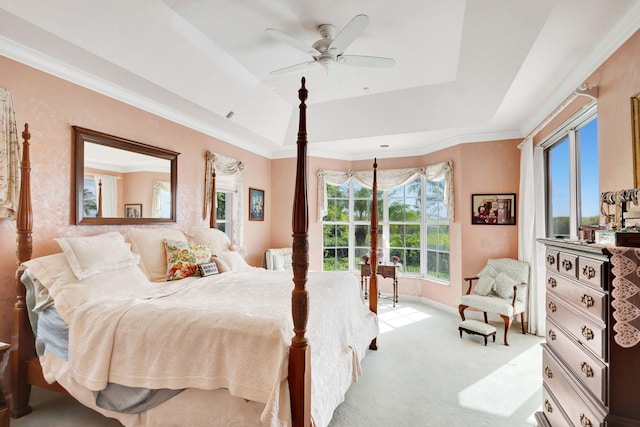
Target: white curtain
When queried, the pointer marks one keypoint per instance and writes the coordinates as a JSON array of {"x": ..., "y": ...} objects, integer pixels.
[
  {"x": 228, "y": 178},
  {"x": 530, "y": 228},
  {"x": 9, "y": 157},
  {"x": 387, "y": 180},
  {"x": 109, "y": 194},
  {"x": 156, "y": 199}
]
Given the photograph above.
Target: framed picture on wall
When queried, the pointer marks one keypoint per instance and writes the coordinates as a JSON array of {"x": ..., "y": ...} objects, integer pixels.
[
  {"x": 493, "y": 209},
  {"x": 256, "y": 204},
  {"x": 133, "y": 210}
]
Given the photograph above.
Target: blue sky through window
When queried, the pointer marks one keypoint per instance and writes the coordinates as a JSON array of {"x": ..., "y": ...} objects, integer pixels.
[{"x": 589, "y": 176}]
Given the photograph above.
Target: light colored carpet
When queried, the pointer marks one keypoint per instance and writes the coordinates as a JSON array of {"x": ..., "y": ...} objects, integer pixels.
[{"x": 422, "y": 375}]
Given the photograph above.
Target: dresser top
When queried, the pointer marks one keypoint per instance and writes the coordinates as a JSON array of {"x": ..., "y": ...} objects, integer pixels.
[{"x": 577, "y": 245}]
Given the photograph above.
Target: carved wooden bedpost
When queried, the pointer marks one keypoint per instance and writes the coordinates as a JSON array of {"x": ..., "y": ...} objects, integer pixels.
[
  {"x": 373, "y": 280},
  {"x": 99, "y": 213},
  {"x": 20, "y": 390},
  {"x": 300, "y": 351}
]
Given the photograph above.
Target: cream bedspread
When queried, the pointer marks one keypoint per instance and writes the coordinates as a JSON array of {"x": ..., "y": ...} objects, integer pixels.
[{"x": 226, "y": 331}]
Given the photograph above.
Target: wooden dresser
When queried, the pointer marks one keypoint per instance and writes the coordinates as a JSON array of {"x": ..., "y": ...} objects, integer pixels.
[{"x": 589, "y": 378}]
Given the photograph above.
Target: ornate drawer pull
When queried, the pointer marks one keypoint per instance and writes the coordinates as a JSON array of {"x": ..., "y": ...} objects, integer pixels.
[
  {"x": 586, "y": 369},
  {"x": 584, "y": 421},
  {"x": 587, "y": 300},
  {"x": 553, "y": 282},
  {"x": 548, "y": 406},
  {"x": 547, "y": 372},
  {"x": 551, "y": 259},
  {"x": 552, "y": 307},
  {"x": 589, "y": 272},
  {"x": 587, "y": 333},
  {"x": 567, "y": 265},
  {"x": 552, "y": 335}
]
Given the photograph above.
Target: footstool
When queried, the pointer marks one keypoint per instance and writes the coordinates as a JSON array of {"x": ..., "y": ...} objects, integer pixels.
[{"x": 477, "y": 328}]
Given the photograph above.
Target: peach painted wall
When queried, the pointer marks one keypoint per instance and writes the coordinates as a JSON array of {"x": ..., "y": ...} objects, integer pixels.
[
  {"x": 138, "y": 188},
  {"x": 51, "y": 106}
]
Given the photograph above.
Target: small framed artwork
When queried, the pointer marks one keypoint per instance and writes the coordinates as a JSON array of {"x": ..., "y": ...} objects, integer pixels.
[
  {"x": 493, "y": 209},
  {"x": 256, "y": 204},
  {"x": 133, "y": 210}
]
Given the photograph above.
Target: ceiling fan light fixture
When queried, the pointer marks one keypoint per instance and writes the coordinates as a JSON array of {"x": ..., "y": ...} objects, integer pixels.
[{"x": 330, "y": 48}]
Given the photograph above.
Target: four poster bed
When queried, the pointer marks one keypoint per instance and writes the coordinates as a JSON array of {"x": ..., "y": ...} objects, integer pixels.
[{"x": 220, "y": 348}]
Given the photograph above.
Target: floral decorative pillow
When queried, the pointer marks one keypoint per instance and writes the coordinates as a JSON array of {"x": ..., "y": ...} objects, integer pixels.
[{"x": 183, "y": 258}]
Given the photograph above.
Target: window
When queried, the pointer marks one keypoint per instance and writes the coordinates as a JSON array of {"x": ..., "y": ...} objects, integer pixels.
[
  {"x": 224, "y": 212},
  {"x": 415, "y": 232},
  {"x": 437, "y": 236},
  {"x": 572, "y": 178},
  {"x": 90, "y": 203},
  {"x": 165, "y": 203}
]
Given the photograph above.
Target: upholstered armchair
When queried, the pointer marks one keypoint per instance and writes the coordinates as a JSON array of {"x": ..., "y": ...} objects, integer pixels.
[
  {"x": 278, "y": 259},
  {"x": 500, "y": 288}
]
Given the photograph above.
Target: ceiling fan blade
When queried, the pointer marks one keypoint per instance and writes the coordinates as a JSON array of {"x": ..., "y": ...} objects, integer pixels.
[
  {"x": 366, "y": 61},
  {"x": 349, "y": 33},
  {"x": 286, "y": 38},
  {"x": 302, "y": 66}
]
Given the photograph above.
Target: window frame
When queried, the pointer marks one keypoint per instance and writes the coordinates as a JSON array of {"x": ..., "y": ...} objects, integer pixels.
[
  {"x": 384, "y": 224},
  {"x": 567, "y": 131}
]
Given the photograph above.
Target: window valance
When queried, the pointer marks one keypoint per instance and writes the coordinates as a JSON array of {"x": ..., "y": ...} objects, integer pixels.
[{"x": 387, "y": 180}]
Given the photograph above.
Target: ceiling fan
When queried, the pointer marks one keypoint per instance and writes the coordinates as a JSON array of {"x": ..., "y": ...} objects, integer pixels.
[{"x": 329, "y": 50}]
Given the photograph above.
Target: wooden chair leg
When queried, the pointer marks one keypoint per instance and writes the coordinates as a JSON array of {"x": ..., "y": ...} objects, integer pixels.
[
  {"x": 461, "y": 309},
  {"x": 524, "y": 326},
  {"x": 507, "y": 324},
  {"x": 485, "y": 317}
]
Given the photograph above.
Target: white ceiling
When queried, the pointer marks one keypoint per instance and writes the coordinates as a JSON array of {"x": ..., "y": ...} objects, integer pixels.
[{"x": 465, "y": 71}]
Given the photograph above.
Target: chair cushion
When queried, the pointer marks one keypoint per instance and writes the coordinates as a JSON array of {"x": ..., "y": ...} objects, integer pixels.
[
  {"x": 492, "y": 304},
  {"x": 479, "y": 327}
]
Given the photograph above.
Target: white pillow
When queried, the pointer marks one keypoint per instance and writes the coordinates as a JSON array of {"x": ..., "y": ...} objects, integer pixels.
[
  {"x": 88, "y": 256},
  {"x": 504, "y": 285},
  {"x": 149, "y": 243},
  {"x": 484, "y": 285},
  {"x": 41, "y": 296},
  {"x": 212, "y": 237},
  {"x": 233, "y": 260},
  {"x": 50, "y": 270}
]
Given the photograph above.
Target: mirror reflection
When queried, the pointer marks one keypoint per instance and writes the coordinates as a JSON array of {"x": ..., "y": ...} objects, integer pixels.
[{"x": 121, "y": 181}]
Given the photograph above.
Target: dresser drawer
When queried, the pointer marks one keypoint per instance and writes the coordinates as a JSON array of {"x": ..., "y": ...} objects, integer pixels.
[
  {"x": 588, "y": 332},
  {"x": 592, "y": 272},
  {"x": 575, "y": 403},
  {"x": 552, "y": 409},
  {"x": 567, "y": 264},
  {"x": 586, "y": 368},
  {"x": 551, "y": 260},
  {"x": 589, "y": 300}
]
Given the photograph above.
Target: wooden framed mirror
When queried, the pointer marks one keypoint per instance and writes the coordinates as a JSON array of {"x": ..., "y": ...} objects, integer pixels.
[
  {"x": 118, "y": 181},
  {"x": 635, "y": 128}
]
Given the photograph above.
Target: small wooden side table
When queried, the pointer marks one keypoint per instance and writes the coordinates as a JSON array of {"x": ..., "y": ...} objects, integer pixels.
[
  {"x": 384, "y": 270},
  {"x": 4, "y": 402}
]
